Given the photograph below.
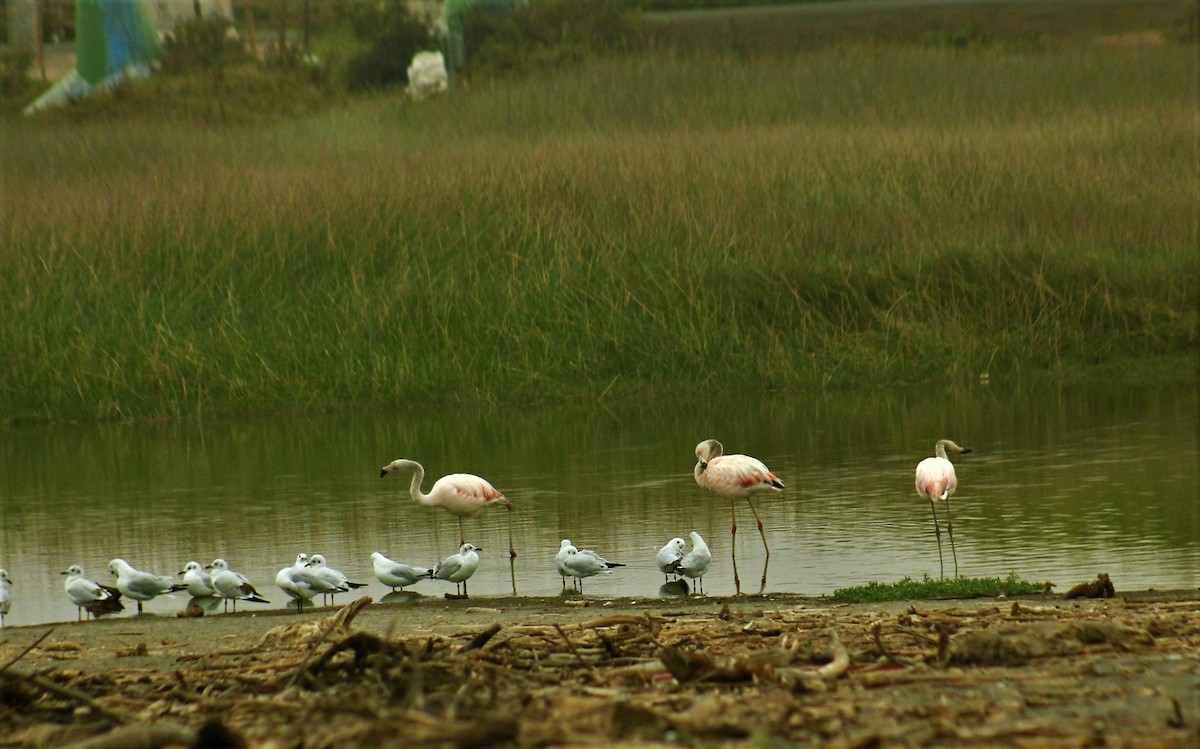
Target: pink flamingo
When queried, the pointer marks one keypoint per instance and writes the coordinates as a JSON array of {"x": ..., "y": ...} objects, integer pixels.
[
  {"x": 464, "y": 495},
  {"x": 735, "y": 477},
  {"x": 936, "y": 481}
]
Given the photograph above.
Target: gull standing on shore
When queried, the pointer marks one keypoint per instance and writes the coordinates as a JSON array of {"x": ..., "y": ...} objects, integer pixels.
[
  {"x": 138, "y": 585},
  {"x": 318, "y": 566},
  {"x": 196, "y": 580},
  {"x": 581, "y": 563},
  {"x": 669, "y": 556},
  {"x": 232, "y": 586},
  {"x": 695, "y": 563},
  {"x": 397, "y": 574},
  {"x": 90, "y": 595},
  {"x": 299, "y": 582},
  {"x": 457, "y": 568},
  {"x": 5, "y": 595}
]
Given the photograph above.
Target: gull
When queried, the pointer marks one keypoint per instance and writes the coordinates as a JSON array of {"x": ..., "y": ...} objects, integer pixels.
[
  {"x": 669, "y": 556},
  {"x": 138, "y": 585},
  {"x": 457, "y": 568},
  {"x": 317, "y": 565},
  {"x": 196, "y": 580},
  {"x": 695, "y": 563},
  {"x": 397, "y": 574},
  {"x": 232, "y": 586},
  {"x": 463, "y": 495},
  {"x": 581, "y": 563},
  {"x": 5, "y": 595},
  {"x": 565, "y": 549},
  {"x": 90, "y": 595},
  {"x": 560, "y": 558},
  {"x": 299, "y": 583},
  {"x": 936, "y": 481}
]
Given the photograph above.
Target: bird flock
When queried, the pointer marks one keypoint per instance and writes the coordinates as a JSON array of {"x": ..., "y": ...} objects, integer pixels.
[{"x": 465, "y": 495}]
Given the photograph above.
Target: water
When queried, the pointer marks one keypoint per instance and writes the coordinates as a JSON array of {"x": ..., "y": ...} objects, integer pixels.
[{"x": 1062, "y": 484}]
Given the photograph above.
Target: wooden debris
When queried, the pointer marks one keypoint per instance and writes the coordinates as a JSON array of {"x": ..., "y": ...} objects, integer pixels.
[
  {"x": 689, "y": 678},
  {"x": 1101, "y": 587},
  {"x": 1017, "y": 644}
]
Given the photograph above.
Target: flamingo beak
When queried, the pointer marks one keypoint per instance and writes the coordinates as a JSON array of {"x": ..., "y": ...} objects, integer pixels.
[
  {"x": 509, "y": 506},
  {"x": 703, "y": 464},
  {"x": 383, "y": 473}
]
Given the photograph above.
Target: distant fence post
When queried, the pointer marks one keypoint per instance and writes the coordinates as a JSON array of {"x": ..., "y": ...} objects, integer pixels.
[
  {"x": 306, "y": 25},
  {"x": 282, "y": 26},
  {"x": 249, "y": 10},
  {"x": 39, "y": 14}
]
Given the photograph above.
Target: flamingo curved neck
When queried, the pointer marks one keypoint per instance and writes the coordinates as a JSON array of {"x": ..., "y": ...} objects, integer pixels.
[
  {"x": 415, "y": 487},
  {"x": 940, "y": 449}
]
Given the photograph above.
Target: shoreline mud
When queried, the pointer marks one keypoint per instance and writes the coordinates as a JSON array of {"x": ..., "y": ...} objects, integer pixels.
[{"x": 537, "y": 672}]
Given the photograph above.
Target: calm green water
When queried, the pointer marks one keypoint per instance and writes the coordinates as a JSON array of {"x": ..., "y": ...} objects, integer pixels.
[{"x": 1063, "y": 483}]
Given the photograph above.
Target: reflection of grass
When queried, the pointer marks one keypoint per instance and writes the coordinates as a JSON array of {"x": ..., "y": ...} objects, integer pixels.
[{"x": 965, "y": 587}]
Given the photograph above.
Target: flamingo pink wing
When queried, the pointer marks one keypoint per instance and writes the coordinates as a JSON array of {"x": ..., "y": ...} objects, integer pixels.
[
  {"x": 467, "y": 494},
  {"x": 738, "y": 475}
]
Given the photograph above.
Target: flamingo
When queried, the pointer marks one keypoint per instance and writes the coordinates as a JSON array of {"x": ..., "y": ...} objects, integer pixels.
[
  {"x": 90, "y": 595},
  {"x": 735, "y": 477},
  {"x": 936, "y": 481},
  {"x": 669, "y": 556},
  {"x": 232, "y": 586},
  {"x": 397, "y": 574},
  {"x": 695, "y": 563},
  {"x": 458, "y": 567},
  {"x": 463, "y": 495},
  {"x": 138, "y": 585}
]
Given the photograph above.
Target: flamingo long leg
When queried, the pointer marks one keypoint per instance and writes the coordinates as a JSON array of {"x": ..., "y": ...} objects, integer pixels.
[
  {"x": 512, "y": 550},
  {"x": 767, "y": 560},
  {"x": 737, "y": 583},
  {"x": 461, "y": 534},
  {"x": 760, "y": 525},
  {"x": 950, "y": 528},
  {"x": 938, "y": 532}
]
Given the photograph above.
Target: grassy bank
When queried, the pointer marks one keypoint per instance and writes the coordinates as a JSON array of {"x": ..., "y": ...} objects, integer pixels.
[{"x": 636, "y": 225}]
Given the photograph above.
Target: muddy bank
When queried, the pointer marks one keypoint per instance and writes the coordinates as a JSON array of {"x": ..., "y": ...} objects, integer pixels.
[{"x": 530, "y": 672}]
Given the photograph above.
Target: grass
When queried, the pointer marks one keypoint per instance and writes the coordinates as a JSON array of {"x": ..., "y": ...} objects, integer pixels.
[
  {"x": 644, "y": 224},
  {"x": 927, "y": 587}
]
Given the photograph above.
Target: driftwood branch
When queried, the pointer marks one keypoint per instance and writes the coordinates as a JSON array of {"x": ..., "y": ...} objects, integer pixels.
[
  {"x": 41, "y": 682},
  {"x": 25, "y": 652}
]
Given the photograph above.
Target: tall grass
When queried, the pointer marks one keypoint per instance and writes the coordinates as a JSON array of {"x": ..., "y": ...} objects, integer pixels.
[{"x": 629, "y": 227}]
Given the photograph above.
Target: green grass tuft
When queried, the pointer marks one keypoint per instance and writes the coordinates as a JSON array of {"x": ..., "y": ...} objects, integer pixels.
[{"x": 927, "y": 587}]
